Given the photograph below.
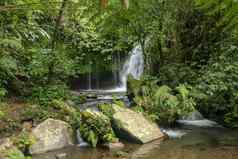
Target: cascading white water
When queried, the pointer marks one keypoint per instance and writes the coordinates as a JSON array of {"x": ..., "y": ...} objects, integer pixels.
[{"x": 133, "y": 66}]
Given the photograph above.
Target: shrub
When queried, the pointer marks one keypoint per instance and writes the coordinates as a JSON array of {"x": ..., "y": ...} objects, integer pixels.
[
  {"x": 106, "y": 109},
  {"x": 96, "y": 129},
  {"x": 9, "y": 123},
  {"x": 57, "y": 109},
  {"x": 45, "y": 94},
  {"x": 169, "y": 105},
  {"x": 23, "y": 141},
  {"x": 3, "y": 93},
  {"x": 216, "y": 90},
  {"x": 163, "y": 103},
  {"x": 67, "y": 113}
]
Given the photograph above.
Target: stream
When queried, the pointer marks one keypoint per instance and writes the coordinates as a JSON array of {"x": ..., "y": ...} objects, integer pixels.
[{"x": 194, "y": 143}]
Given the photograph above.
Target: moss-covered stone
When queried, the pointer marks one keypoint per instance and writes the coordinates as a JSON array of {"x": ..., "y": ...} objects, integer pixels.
[{"x": 134, "y": 126}]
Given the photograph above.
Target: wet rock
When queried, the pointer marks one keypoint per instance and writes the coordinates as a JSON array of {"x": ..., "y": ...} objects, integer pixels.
[
  {"x": 198, "y": 123},
  {"x": 114, "y": 146},
  {"x": 134, "y": 126},
  {"x": 61, "y": 156},
  {"x": 121, "y": 154},
  {"x": 196, "y": 115},
  {"x": 196, "y": 119},
  {"x": 51, "y": 135},
  {"x": 174, "y": 133},
  {"x": 145, "y": 150}
]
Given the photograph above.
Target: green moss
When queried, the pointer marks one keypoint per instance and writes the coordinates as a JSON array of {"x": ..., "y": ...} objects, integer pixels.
[
  {"x": 106, "y": 109},
  {"x": 96, "y": 128}
]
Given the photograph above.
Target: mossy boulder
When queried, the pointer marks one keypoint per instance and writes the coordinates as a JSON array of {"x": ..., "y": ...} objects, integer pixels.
[
  {"x": 134, "y": 126},
  {"x": 51, "y": 135},
  {"x": 96, "y": 128}
]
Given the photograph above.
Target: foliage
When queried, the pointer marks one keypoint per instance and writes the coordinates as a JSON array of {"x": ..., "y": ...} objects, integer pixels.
[
  {"x": 106, "y": 109},
  {"x": 70, "y": 114},
  {"x": 216, "y": 89},
  {"x": 189, "y": 48},
  {"x": 80, "y": 99},
  {"x": 193, "y": 42},
  {"x": 16, "y": 154},
  {"x": 3, "y": 93},
  {"x": 45, "y": 94},
  {"x": 175, "y": 74},
  {"x": 9, "y": 123},
  {"x": 57, "y": 109},
  {"x": 163, "y": 103},
  {"x": 39, "y": 50},
  {"x": 23, "y": 141},
  {"x": 96, "y": 128}
]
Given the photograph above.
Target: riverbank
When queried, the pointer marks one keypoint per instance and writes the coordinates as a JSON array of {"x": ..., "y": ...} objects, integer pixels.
[{"x": 32, "y": 129}]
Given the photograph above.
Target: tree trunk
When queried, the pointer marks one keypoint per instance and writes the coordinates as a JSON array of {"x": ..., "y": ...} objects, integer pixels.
[
  {"x": 103, "y": 3},
  {"x": 55, "y": 38}
]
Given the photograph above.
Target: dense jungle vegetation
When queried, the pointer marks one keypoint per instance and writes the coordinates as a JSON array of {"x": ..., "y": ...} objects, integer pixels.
[{"x": 190, "y": 49}]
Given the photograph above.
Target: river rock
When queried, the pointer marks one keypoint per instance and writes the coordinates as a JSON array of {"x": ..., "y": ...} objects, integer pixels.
[
  {"x": 196, "y": 115},
  {"x": 51, "y": 135},
  {"x": 134, "y": 126},
  {"x": 61, "y": 156},
  {"x": 145, "y": 150},
  {"x": 114, "y": 146}
]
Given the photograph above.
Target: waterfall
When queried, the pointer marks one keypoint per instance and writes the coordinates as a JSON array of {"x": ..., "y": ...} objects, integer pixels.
[
  {"x": 81, "y": 142},
  {"x": 89, "y": 81},
  {"x": 134, "y": 66}
]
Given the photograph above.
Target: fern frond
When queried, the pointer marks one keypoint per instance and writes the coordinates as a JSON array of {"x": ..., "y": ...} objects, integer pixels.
[{"x": 183, "y": 91}]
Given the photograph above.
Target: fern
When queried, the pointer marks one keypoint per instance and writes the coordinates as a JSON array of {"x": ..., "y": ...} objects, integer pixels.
[
  {"x": 183, "y": 91},
  {"x": 11, "y": 43},
  {"x": 162, "y": 94}
]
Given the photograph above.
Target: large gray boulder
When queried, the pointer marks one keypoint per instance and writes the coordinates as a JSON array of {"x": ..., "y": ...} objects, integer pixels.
[
  {"x": 134, "y": 126},
  {"x": 51, "y": 135}
]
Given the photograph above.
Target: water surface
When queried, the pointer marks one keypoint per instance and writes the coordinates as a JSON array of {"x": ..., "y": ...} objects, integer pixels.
[{"x": 197, "y": 143}]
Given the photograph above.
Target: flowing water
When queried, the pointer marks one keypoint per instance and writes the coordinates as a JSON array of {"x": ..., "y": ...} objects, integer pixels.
[
  {"x": 116, "y": 80},
  {"x": 133, "y": 66},
  {"x": 192, "y": 143}
]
